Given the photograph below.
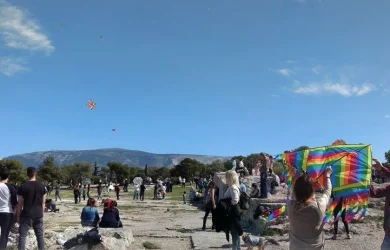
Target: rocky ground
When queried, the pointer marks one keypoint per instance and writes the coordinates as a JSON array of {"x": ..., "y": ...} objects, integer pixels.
[{"x": 169, "y": 224}]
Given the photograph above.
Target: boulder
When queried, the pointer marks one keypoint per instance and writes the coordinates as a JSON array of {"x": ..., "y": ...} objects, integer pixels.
[
  {"x": 258, "y": 225},
  {"x": 112, "y": 238}
]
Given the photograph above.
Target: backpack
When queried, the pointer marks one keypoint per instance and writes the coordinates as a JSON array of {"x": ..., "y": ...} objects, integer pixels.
[{"x": 245, "y": 201}]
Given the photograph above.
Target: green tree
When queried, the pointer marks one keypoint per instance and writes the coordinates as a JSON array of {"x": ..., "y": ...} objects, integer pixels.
[
  {"x": 387, "y": 156},
  {"x": 49, "y": 172},
  {"x": 17, "y": 171},
  {"x": 188, "y": 168},
  {"x": 120, "y": 171},
  {"x": 77, "y": 172},
  {"x": 300, "y": 148}
]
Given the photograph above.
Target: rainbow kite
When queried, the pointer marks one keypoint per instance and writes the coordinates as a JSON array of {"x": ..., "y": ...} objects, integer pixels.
[{"x": 351, "y": 176}]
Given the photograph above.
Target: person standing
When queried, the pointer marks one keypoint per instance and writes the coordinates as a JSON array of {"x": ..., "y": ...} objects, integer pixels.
[
  {"x": 233, "y": 192},
  {"x": 84, "y": 192},
  {"x": 117, "y": 191},
  {"x": 80, "y": 191},
  {"x": 336, "y": 211},
  {"x": 184, "y": 197},
  {"x": 264, "y": 163},
  {"x": 8, "y": 201},
  {"x": 58, "y": 188},
  {"x": 88, "y": 190},
  {"x": 136, "y": 192},
  {"x": 99, "y": 191},
  {"x": 380, "y": 193},
  {"x": 155, "y": 192},
  {"x": 142, "y": 193},
  {"x": 31, "y": 204},
  {"x": 76, "y": 194},
  {"x": 210, "y": 205}
]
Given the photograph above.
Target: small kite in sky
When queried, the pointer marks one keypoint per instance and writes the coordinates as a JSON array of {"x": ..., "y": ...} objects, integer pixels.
[
  {"x": 61, "y": 25},
  {"x": 91, "y": 104},
  {"x": 101, "y": 37},
  {"x": 113, "y": 130}
]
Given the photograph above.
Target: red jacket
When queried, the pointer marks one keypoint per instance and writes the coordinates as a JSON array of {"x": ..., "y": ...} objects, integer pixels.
[{"x": 380, "y": 193}]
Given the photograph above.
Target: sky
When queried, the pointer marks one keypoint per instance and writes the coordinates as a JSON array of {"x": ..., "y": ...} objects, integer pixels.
[{"x": 201, "y": 77}]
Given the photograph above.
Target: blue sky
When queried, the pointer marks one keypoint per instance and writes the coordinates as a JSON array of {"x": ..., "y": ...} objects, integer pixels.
[{"x": 206, "y": 77}]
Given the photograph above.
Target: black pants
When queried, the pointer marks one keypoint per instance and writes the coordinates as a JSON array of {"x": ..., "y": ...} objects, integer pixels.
[
  {"x": 209, "y": 208},
  {"x": 24, "y": 227},
  {"x": 263, "y": 185},
  {"x": 76, "y": 198},
  {"x": 336, "y": 223},
  {"x": 6, "y": 221},
  {"x": 142, "y": 195}
]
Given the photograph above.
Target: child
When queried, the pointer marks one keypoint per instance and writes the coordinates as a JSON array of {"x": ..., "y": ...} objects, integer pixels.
[
  {"x": 252, "y": 241},
  {"x": 184, "y": 197}
]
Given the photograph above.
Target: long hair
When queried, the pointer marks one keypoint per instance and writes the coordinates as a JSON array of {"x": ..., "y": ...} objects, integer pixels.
[
  {"x": 91, "y": 202},
  {"x": 303, "y": 191},
  {"x": 231, "y": 178},
  {"x": 110, "y": 204}
]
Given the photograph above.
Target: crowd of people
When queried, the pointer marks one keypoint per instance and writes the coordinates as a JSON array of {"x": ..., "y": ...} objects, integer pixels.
[{"x": 306, "y": 209}]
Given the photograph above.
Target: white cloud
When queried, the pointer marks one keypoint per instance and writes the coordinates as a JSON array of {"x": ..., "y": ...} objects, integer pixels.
[
  {"x": 10, "y": 66},
  {"x": 317, "y": 69},
  {"x": 284, "y": 72},
  {"x": 387, "y": 116},
  {"x": 343, "y": 89},
  {"x": 275, "y": 96},
  {"x": 290, "y": 61},
  {"x": 20, "y": 31}
]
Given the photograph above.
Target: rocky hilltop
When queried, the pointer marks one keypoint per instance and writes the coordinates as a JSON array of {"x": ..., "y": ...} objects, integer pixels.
[{"x": 103, "y": 156}]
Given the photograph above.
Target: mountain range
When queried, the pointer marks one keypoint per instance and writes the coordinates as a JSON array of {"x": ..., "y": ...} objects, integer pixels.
[{"x": 103, "y": 156}]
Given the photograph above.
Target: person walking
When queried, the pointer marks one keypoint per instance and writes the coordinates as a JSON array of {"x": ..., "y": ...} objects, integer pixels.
[
  {"x": 76, "y": 194},
  {"x": 88, "y": 190},
  {"x": 80, "y": 192},
  {"x": 29, "y": 212},
  {"x": 117, "y": 191},
  {"x": 8, "y": 201},
  {"x": 84, "y": 191},
  {"x": 58, "y": 188},
  {"x": 142, "y": 193}
]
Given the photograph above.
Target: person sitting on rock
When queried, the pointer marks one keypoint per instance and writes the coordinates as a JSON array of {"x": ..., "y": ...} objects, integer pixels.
[
  {"x": 110, "y": 217},
  {"x": 275, "y": 181},
  {"x": 255, "y": 191},
  {"x": 90, "y": 215},
  {"x": 50, "y": 205}
]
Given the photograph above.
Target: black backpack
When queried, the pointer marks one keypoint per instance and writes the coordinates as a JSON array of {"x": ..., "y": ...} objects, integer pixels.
[{"x": 245, "y": 201}]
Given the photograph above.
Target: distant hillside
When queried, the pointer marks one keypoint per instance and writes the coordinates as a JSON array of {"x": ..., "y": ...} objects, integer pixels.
[{"x": 103, "y": 156}]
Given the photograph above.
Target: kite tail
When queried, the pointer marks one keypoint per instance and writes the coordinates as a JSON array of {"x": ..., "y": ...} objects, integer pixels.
[{"x": 277, "y": 213}]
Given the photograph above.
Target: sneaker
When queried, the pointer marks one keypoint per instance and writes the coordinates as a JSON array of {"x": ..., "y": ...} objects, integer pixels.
[
  {"x": 334, "y": 237},
  {"x": 348, "y": 236}
]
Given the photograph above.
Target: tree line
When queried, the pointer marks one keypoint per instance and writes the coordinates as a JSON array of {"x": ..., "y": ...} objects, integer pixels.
[{"x": 49, "y": 172}]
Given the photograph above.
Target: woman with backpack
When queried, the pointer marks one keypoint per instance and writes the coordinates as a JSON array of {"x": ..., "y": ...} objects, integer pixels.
[
  {"x": 210, "y": 205},
  {"x": 233, "y": 193}
]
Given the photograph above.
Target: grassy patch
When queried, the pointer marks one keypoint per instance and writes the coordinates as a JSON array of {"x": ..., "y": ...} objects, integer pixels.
[{"x": 150, "y": 245}]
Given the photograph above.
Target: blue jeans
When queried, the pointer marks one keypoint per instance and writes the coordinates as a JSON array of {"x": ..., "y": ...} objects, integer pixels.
[
  {"x": 263, "y": 185},
  {"x": 236, "y": 239},
  {"x": 24, "y": 227},
  {"x": 386, "y": 243}
]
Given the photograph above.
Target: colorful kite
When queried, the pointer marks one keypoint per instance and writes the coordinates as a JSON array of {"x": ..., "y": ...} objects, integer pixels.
[
  {"x": 91, "y": 104},
  {"x": 351, "y": 176}
]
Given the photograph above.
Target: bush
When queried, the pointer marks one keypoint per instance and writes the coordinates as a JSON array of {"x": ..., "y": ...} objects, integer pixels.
[{"x": 277, "y": 168}]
